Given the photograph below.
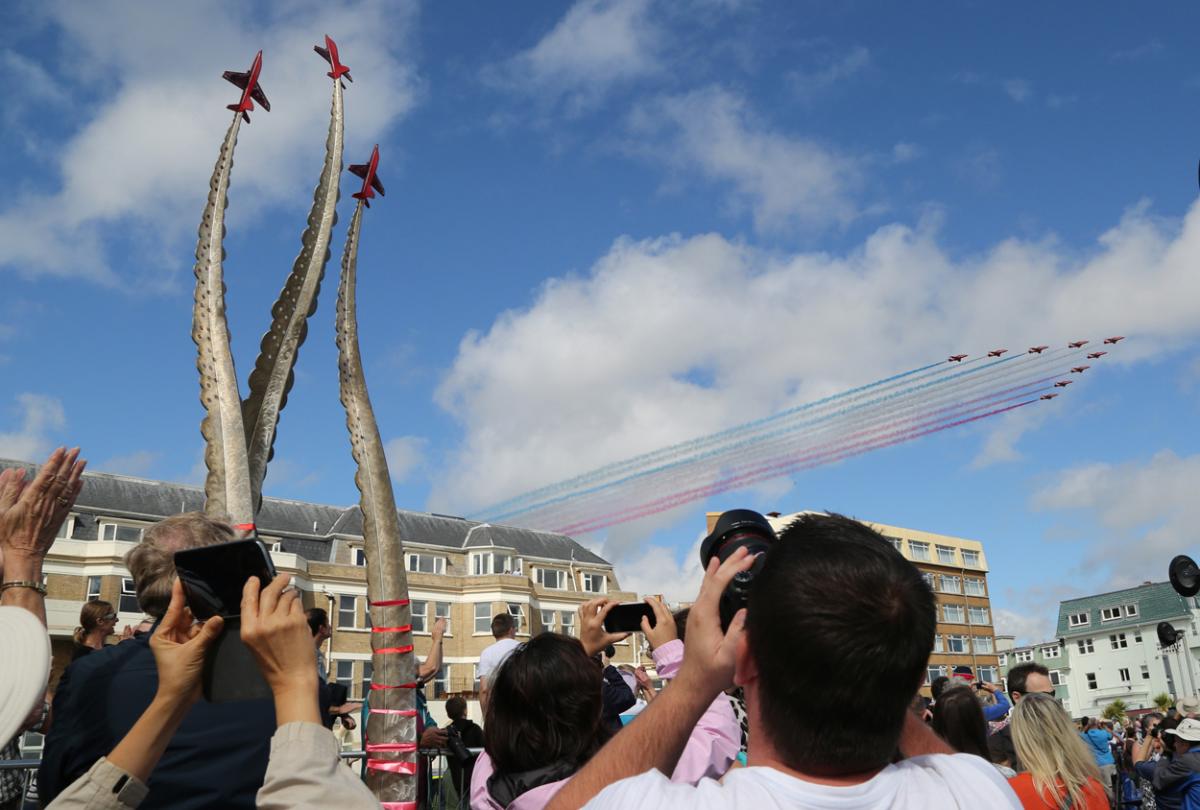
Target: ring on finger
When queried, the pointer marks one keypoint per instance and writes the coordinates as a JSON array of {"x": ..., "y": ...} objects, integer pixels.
[{"x": 63, "y": 501}]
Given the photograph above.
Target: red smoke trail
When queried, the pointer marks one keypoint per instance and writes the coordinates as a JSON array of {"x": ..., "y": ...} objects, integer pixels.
[{"x": 776, "y": 469}]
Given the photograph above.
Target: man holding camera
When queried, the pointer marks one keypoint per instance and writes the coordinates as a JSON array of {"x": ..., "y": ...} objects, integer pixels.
[{"x": 831, "y": 649}]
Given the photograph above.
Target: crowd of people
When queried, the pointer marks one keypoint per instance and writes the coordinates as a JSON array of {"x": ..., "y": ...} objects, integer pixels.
[{"x": 806, "y": 697}]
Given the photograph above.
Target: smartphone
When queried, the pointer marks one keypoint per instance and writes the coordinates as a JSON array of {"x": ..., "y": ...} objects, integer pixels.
[
  {"x": 627, "y": 617},
  {"x": 213, "y": 578}
]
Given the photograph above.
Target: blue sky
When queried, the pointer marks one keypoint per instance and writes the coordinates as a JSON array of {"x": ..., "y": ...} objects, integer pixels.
[{"x": 615, "y": 225}]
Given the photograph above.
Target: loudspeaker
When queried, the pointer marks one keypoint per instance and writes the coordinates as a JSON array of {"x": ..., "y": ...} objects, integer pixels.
[
  {"x": 1184, "y": 575},
  {"x": 1167, "y": 634}
]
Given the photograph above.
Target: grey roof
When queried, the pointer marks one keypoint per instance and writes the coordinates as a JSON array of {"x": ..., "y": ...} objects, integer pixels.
[
  {"x": 1156, "y": 602},
  {"x": 307, "y": 528}
]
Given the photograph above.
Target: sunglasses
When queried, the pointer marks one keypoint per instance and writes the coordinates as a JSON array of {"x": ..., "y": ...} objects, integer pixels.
[{"x": 109, "y": 617}]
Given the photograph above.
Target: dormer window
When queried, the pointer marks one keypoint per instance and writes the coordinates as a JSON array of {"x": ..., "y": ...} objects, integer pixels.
[
  {"x": 552, "y": 578},
  {"x": 495, "y": 562},
  {"x": 594, "y": 583},
  {"x": 121, "y": 532}
]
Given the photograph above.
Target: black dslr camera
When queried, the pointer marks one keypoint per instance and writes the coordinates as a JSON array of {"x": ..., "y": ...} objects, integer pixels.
[
  {"x": 456, "y": 746},
  {"x": 733, "y": 530}
]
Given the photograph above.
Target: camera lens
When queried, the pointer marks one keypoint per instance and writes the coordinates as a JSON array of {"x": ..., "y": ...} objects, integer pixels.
[{"x": 737, "y": 528}]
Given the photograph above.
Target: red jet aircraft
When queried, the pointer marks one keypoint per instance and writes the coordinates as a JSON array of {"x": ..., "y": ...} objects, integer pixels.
[
  {"x": 251, "y": 92},
  {"x": 329, "y": 54},
  {"x": 1113, "y": 340},
  {"x": 1079, "y": 369},
  {"x": 956, "y": 358},
  {"x": 1062, "y": 383},
  {"x": 1076, "y": 344},
  {"x": 997, "y": 352},
  {"x": 1096, "y": 355},
  {"x": 1049, "y": 396},
  {"x": 1038, "y": 349},
  {"x": 370, "y": 180}
]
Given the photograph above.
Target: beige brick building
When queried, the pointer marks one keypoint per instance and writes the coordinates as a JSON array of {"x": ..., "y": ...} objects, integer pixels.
[
  {"x": 464, "y": 571},
  {"x": 956, "y": 569}
]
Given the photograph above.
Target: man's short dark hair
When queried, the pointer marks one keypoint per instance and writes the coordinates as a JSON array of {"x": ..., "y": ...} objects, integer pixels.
[
  {"x": 840, "y": 627},
  {"x": 1018, "y": 676},
  {"x": 317, "y": 618},
  {"x": 502, "y": 625},
  {"x": 938, "y": 686},
  {"x": 456, "y": 708}
]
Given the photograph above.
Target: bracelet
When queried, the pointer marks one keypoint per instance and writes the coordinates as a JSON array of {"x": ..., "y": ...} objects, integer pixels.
[{"x": 34, "y": 586}]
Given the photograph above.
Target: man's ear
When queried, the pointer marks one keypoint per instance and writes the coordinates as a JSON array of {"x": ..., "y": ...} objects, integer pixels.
[{"x": 745, "y": 668}]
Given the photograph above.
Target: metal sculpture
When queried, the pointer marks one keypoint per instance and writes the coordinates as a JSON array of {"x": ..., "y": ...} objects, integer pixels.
[
  {"x": 391, "y": 731},
  {"x": 273, "y": 374}
]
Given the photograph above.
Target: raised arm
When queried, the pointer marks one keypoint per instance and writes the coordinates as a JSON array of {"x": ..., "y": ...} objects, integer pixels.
[
  {"x": 428, "y": 668},
  {"x": 658, "y": 737}
]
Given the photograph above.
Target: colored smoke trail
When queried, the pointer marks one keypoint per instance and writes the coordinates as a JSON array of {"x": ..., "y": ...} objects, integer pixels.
[
  {"x": 781, "y": 468},
  {"x": 567, "y": 508}
]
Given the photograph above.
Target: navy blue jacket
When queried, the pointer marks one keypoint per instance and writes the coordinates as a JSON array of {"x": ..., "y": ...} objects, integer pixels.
[{"x": 217, "y": 758}]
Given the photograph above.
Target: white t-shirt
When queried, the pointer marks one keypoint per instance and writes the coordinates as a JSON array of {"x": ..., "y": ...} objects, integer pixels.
[
  {"x": 934, "y": 782},
  {"x": 493, "y": 656}
]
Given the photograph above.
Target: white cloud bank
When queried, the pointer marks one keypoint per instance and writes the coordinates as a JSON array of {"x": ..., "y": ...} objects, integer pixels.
[
  {"x": 39, "y": 418},
  {"x": 142, "y": 157}
]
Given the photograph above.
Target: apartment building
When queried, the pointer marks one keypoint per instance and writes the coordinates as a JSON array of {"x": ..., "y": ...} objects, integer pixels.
[
  {"x": 1114, "y": 650},
  {"x": 1053, "y": 655},
  {"x": 463, "y": 571},
  {"x": 956, "y": 569}
]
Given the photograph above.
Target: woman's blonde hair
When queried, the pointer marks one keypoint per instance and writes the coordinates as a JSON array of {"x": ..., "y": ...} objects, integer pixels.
[
  {"x": 151, "y": 562},
  {"x": 89, "y": 617},
  {"x": 1050, "y": 748}
]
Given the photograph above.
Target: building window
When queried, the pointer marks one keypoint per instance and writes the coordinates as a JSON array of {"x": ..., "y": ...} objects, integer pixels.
[
  {"x": 1123, "y": 672},
  {"x": 426, "y": 564},
  {"x": 919, "y": 551},
  {"x": 975, "y": 587},
  {"x": 946, "y": 555},
  {"x": 547, "y": 621},
  {"x": 934, "y": 672},
  {"x": 1091, "y": 680},
  {"x": 483, "y": 619},
  {"x": 358, "y": 557},
  {"x": 938, "y": 644},
  {"x": 517, "y": 611},
  {"x": 495, "y": 563},
  {"x": 1145, "y": 672},
  {"x": 567, "y": 622},
  {"x": 1056, "y": 677},
  {"x": 953, "y": 613},
  {"x": 1003, "y": 659},
  {"x": 979, "y": 615},
  {"x": 441, "y": 610},
  {"x": 347, "y": 611},
  {"x": 551, "y": 578},
  {"x": 418, "y": 610},
  {"x": 983, "y": 644},
  {"x": 970, "y": 558},
  {"x": 1023, "y": 656},
  {"x": 957, "y": 644},
  {"x": 65, "y": 530},
  {"x": 896, "y": 542},
  {"x": 441, "y": 682},
  {"x": 930, "y": 579},
  {"x": 344, "y": 674},
  {"x": 594, "y": 583},
  {"x": 475, "y": 680},
  {"x": 1078, "y": 620},
  {"x": 128, "y": 602},
  {"x": 1085, "y": 646},
  {"x": 987, "y": 674},
  {"x": 1118, "y": 641},
  {"x": 1137, "y": 636},
  {"x": 1051, "y": 652},
  {"x": 951, "y": 584},
  {"x": 1131, "y": 610},
  {"x": 93, "y": 588},
  {"x": 1110, "y": 614},
  {"x": 121, "y": 532}
]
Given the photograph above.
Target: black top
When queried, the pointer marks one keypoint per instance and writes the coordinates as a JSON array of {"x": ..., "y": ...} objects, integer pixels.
[{"x": 80, "y": 650}]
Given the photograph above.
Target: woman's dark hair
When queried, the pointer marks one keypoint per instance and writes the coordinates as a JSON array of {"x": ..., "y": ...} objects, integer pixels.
[
  {"x": 958, "y": 719},
  {"x": 544, "y": 706}
]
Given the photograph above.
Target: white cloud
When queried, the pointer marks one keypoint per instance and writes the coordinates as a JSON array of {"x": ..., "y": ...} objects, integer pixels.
[
  {"x": 405, "y": 455},
  {"x": 661, "y": 571},
  {"x": 1000, "y": 445},
  {"x": 786, "y": 181},
  {"x": 833, "y": 70},
  {"x": 596, "y": 45},
  {"x": 39, "y": 417},
  {"x": 1029, "y": 628},
  {"x": 671, "y": 338},
  {"x": 1019, "y": 90},
  {"x": 904, "y": 152},
  {"x": 138, "y": 463},
  {"x": 141, "y": 160},
  {"x": 1147, "y": 509}
]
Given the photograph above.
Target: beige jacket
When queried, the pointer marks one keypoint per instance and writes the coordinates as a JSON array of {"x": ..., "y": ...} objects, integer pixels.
[{"x": 304, "y": 771}]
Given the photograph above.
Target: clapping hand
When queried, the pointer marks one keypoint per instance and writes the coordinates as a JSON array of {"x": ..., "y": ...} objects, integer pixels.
[{"x": 31, "y": 512}]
